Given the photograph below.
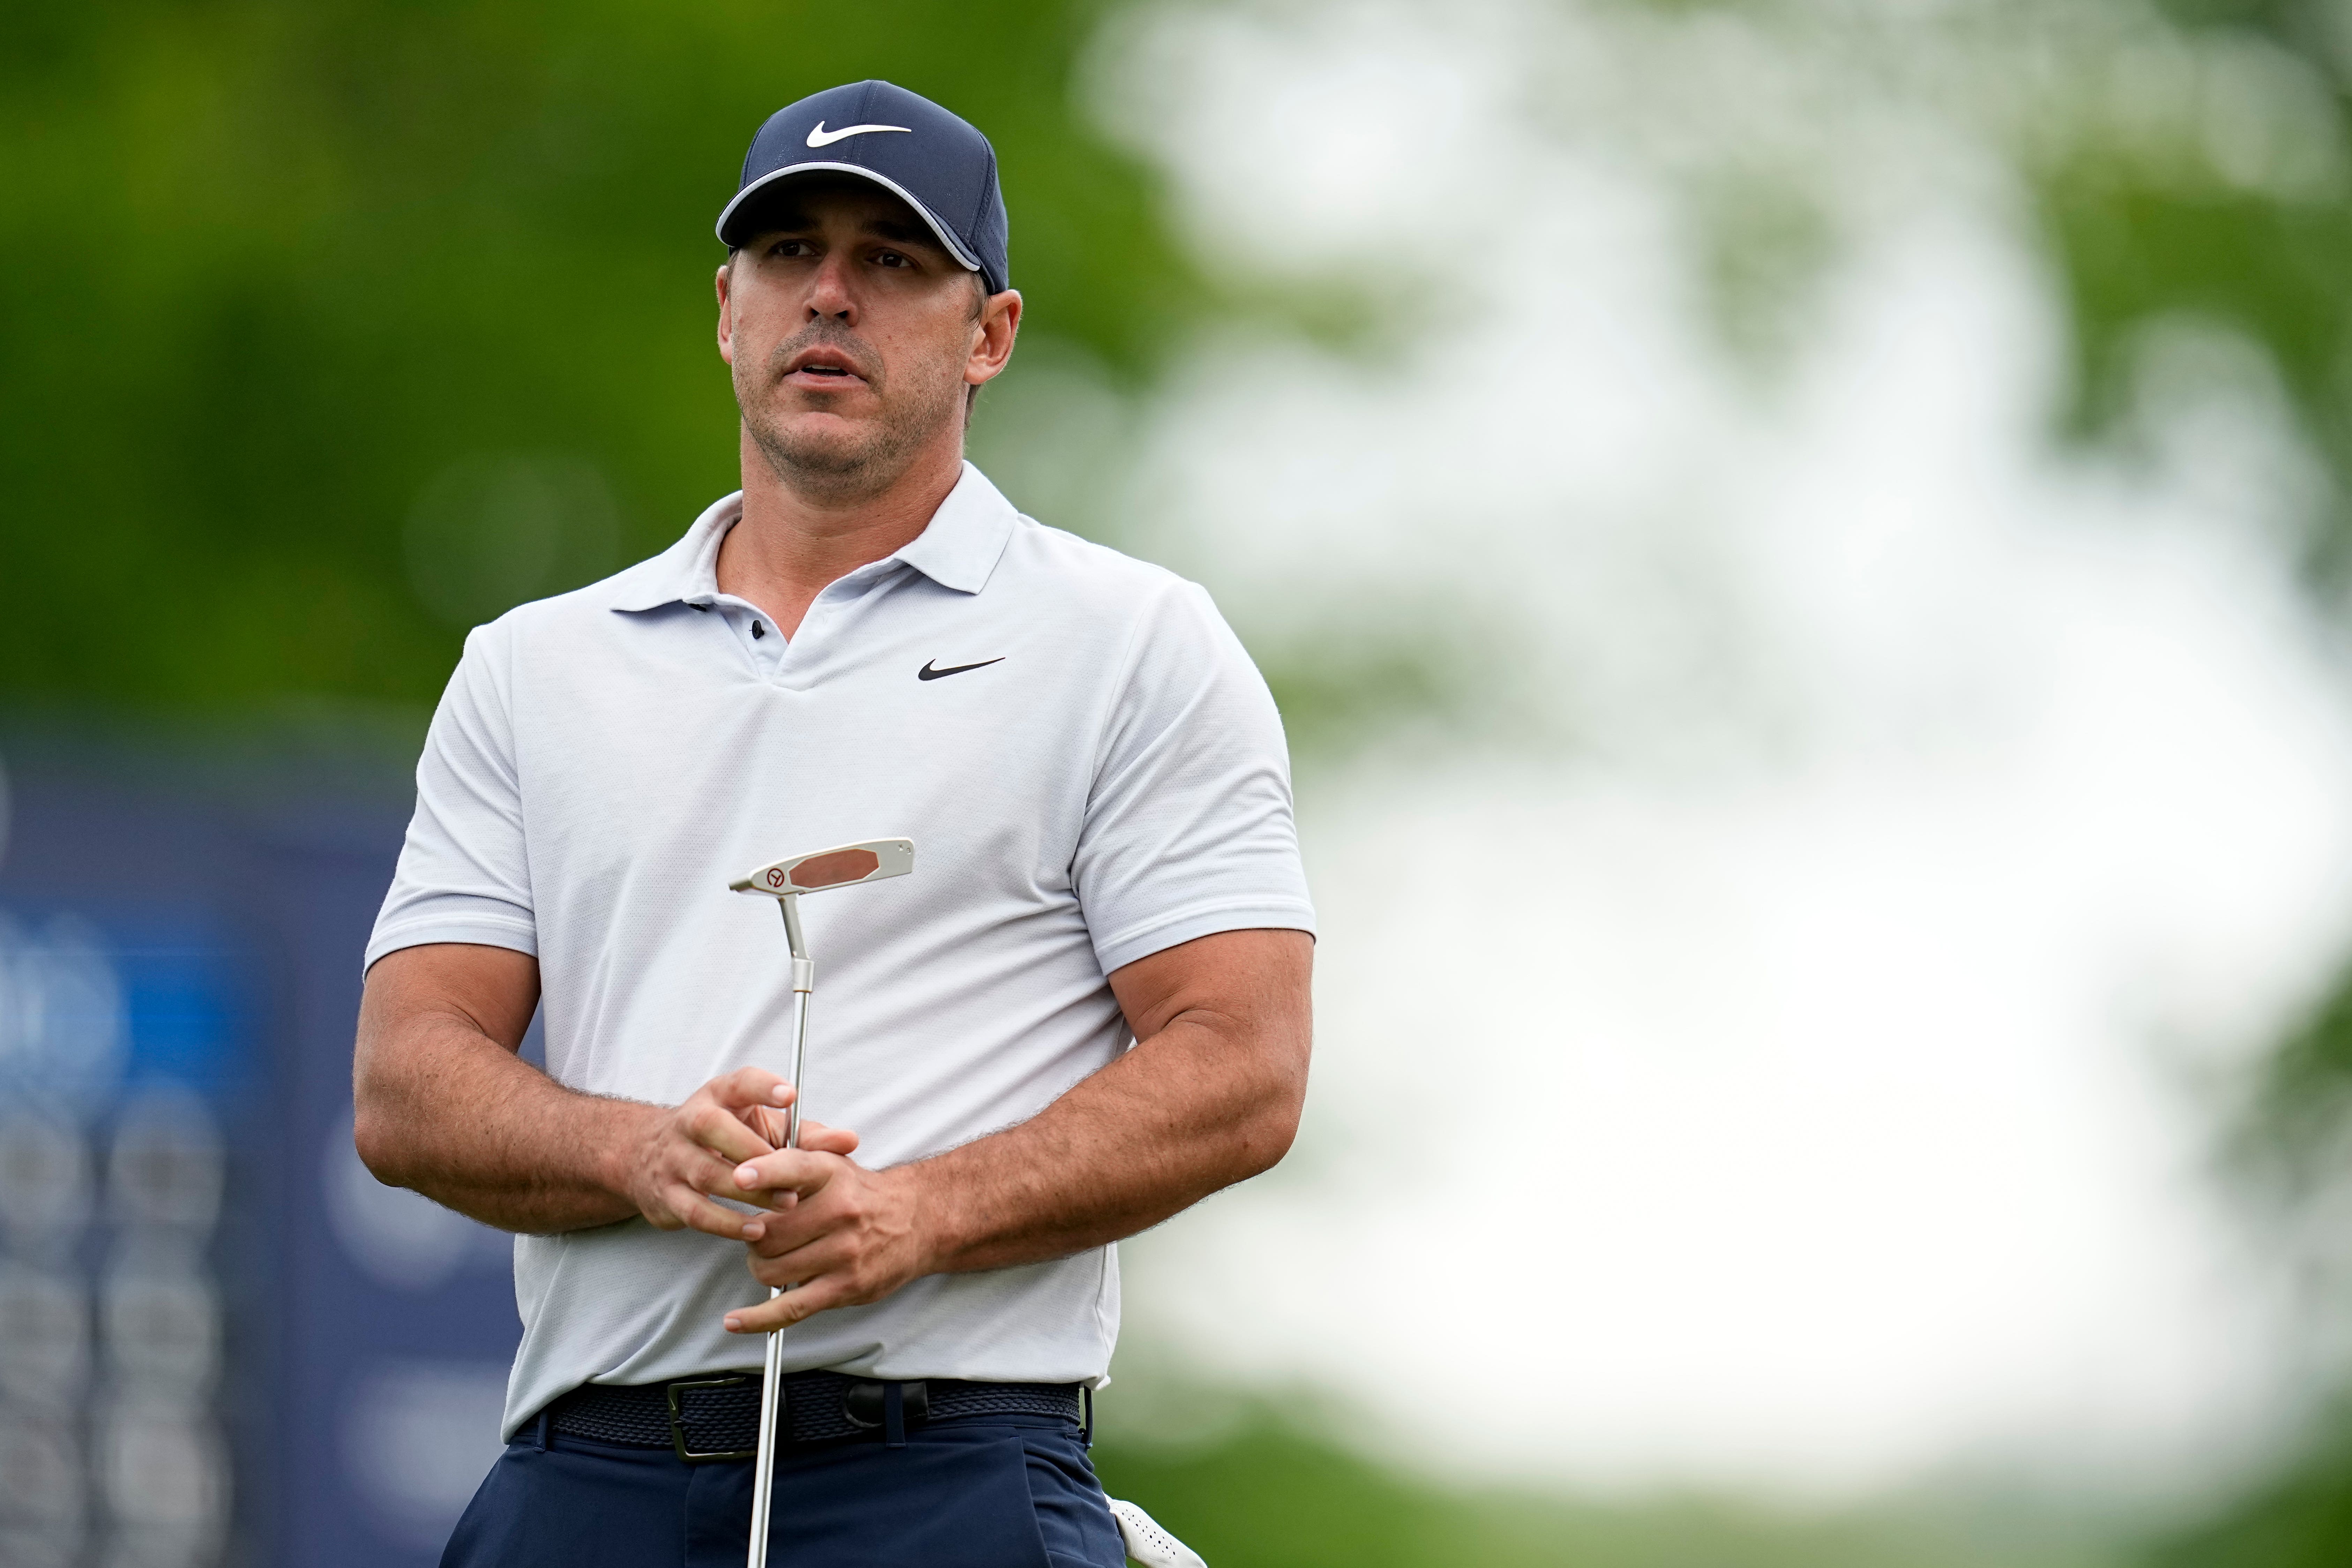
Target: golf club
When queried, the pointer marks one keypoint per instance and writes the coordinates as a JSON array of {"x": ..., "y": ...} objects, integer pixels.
[{"x": 785, "y": 881}]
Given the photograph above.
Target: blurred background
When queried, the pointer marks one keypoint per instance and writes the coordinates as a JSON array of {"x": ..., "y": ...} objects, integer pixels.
[{"x": 1844, "y": 506}]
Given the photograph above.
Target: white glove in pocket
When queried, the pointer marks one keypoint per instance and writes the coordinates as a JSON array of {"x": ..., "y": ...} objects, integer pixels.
[{"x": 1148, "y": 1544}]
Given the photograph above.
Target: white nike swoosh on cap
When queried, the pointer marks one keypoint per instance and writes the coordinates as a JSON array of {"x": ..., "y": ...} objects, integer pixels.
[{"x": 821, "y": 137}]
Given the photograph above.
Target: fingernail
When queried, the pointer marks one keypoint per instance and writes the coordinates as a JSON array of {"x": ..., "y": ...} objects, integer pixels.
[
  {"x": 746, "y": 1174},
  {"x": 751, "y": 1232},
  {"x": 734, "y": 1325},
  {"x": 778, "y": 1094}
]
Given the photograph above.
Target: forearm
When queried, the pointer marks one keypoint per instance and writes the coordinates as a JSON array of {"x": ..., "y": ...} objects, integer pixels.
[
  {"x": 1184, "y": 1114},
  {"x": 453, "y": 1113},
  {"x": 470, "y": 1125}
]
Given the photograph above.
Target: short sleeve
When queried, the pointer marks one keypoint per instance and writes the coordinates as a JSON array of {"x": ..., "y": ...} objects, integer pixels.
[
  {"x": 463, "y": 873},
  {"x": 1188, "y": 828}
]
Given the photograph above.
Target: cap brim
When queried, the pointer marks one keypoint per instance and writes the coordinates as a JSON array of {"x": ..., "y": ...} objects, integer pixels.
[{"x": 947, "y": 236}]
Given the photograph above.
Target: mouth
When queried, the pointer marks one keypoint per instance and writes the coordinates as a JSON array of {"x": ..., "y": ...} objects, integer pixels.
[{"x": 822, "y": 369}]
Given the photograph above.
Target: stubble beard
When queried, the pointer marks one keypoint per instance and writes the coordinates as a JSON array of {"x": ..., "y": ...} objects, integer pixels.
[{"x": 840, "y": 465}]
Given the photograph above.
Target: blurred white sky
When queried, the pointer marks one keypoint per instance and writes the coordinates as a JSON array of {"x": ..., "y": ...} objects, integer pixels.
[{"x": 1895, "y": 821}]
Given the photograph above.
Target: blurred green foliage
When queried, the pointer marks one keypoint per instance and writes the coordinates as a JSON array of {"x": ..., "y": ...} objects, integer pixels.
[
  {"x": 2258, "y": 239},
  {"x": 2230, "y": 226},
  {"x": 2298, "y": 1517},
  {"x": 1268, "y": 1495},
  {"x": 2292, "y": 1137},
  {"x": 268, "y": 271}
]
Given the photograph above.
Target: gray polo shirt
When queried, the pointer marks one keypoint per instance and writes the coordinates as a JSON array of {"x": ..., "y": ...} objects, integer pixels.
[{"x": 1102, "y": 776}]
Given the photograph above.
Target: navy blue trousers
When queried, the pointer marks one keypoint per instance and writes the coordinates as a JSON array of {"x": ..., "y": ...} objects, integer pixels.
[{"x": 983, "y": 1492}]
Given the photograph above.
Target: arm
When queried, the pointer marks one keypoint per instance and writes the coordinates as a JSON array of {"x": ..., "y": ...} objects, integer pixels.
[
  {"x": 1210, "y": 1096},
  {"x": 443, "y": 1104}
]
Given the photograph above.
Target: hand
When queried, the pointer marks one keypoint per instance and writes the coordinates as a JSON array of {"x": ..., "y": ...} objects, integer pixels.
[
  {"x": 837, "y": 1235},
  {"x": 689, "y": 1154}
]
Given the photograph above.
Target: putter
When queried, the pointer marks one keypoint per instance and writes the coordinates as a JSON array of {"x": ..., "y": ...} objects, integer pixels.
[{"x": 785, "y": 881}]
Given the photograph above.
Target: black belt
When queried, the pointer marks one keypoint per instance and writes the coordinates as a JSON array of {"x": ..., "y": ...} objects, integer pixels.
[{"x": 710, "y": 1418}]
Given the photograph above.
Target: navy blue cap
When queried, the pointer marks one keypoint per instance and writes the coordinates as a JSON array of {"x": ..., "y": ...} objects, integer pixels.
[{"x": 933, "y": 161}]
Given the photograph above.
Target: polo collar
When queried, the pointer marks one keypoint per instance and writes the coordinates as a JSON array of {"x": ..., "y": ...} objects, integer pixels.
[
  {"x": 966, "y": 537},
  {"x": 958, "y": 549}
]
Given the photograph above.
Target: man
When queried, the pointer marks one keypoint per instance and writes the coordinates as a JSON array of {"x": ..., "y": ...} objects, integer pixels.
[{"x": 1085, "y": 1011}]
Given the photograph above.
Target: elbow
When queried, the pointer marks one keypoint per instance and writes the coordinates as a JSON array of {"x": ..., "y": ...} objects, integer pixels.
[
  {"x": 1271, "y": 1127},
  {"x": 1263, "y": 1149},
  {"x": 1267, "y": 1134},
  {"x": 377, "y": 1140}
]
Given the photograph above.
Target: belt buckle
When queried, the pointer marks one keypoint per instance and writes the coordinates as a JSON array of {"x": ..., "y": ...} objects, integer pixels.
[{"x": 677, "y": 1420}]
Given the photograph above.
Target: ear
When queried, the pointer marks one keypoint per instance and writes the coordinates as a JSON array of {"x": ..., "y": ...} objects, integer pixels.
[
  {"x": 725, "y": 283},
  {"x": 991, "y": 338}
]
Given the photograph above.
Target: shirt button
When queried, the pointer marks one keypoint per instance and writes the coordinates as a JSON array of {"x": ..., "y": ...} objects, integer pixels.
[{"x": 758, "y": 631}]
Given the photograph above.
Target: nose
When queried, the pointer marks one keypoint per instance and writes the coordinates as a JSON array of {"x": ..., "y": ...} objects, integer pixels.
[{"x": 830, "y": 295}]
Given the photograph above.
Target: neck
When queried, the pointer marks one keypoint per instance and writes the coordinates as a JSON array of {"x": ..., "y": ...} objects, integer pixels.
[{"x": 795, "y": 538}]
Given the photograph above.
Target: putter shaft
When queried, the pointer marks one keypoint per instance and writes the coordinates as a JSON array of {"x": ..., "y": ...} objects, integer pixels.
[
  {"x": 772, "y": 1382},
  {"x": 785, "y": 880}
]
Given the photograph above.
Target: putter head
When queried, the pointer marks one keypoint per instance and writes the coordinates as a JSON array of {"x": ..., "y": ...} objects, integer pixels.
[{"x": 843, "y": 865}]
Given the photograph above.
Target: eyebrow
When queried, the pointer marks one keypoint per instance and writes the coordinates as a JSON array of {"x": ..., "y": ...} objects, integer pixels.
[{"x": 905, "y": 233}]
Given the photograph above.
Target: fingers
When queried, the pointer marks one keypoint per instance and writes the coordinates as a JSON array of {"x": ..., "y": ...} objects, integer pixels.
[
  {"x": 730, "y": 1113},
  {"x": 858, "y": 1241},
  {"x": 819, "y": 1139},
  {"x": 793, "y": 1254},
  {"x": 781, "y": 1183},
  {"x": 689, "y": 1210},
  {"x": 791, "y": 1306},
  {"x": 748, "y": 1086},
  {"x": 696, "y": 1178},
  {"x": 709, "y": 1173},
  {"x": 786, "y": 1227},
  {"x": 815, "y": 1136},
  {"x": 727, "y": 1142},
  {"x": 691, "y": 1156},
  {"x": 722, "y": 1131}
]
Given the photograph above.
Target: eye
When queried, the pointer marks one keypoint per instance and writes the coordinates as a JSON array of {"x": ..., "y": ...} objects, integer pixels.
[
  {"x": 789, "y": 248},
  {"x": 892, "y": 258}
]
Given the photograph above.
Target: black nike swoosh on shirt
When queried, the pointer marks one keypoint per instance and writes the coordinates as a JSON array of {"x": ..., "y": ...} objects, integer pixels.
[{"x": 928, "y": 673}]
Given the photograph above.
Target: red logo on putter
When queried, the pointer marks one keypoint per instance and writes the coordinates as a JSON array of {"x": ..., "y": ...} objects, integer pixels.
[{"x": 775, "y": 875}]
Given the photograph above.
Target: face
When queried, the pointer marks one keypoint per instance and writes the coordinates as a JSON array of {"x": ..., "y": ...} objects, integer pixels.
[{"x": 853, "y": 336}]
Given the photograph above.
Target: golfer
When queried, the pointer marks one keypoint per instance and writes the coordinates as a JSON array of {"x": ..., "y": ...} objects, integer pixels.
[{"x": 1086, "y": 1010}]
